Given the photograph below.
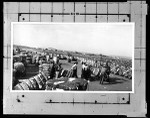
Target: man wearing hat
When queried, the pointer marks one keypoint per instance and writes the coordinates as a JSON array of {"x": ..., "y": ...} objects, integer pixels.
[
  {"x": 105, "y": 71},
  {"x": 74, "y": 69},
  {"x": 83, "y": 70}
]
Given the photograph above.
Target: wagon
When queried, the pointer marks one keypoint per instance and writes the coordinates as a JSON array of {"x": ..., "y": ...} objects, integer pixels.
[{"x": 65, "y": 83}]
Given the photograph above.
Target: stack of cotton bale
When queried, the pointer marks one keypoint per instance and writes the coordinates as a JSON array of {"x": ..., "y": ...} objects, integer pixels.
[
  {"x": 128, "y": 73},
  {"x": 37, "y": 82},
  {"x": 15, "y": 80},
  {"x": 20, "y": 69}
]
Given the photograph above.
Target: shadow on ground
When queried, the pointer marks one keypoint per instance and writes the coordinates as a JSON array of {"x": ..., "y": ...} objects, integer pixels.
[{"x": 113, "y": 79}]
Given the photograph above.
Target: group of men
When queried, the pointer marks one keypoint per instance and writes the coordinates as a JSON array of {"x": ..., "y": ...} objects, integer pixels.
[
  {"x": 86, "y": 71},
  {"x": 54, "y": 68}
]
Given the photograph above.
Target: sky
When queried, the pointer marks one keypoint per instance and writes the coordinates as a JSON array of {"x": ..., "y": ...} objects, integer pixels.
[{"x": 98, "y": 38}]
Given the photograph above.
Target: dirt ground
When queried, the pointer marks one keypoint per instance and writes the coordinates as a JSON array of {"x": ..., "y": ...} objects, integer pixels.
[{"x": 116, "y": 83}]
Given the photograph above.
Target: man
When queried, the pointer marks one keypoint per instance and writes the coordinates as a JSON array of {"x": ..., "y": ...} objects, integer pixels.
[
  {"x": 52, "y": 72},
  {"x": 88, "y": 72},
  {"x": 105, "y": 71},
  {"x": 34, "y": 59},
  {"x": 56, "y": 59},
  {"x": 37, "y": 60},
  {"x": 47, "y": 58},
  {"x": 57, "y": 68},
  {"x": 85, "y": 71},
  {"x": 108, "y": 68},
  {"x": 74, "y": 69}
]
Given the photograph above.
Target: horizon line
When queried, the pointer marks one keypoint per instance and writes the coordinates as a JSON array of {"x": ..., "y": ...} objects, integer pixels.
[{"x": 77, "y": 51}]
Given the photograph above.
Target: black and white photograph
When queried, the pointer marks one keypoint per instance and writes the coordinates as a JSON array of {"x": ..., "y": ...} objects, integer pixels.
[
  {"x": 75, "y": 58},
  {"x": 87, "y": 57}
]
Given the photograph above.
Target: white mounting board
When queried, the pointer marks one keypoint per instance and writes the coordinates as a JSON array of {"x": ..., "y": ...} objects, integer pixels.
[{"x": 70, "y": 103}]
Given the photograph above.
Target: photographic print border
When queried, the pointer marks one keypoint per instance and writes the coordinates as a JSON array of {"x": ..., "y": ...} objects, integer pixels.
[{"x": 56, "y": 23}]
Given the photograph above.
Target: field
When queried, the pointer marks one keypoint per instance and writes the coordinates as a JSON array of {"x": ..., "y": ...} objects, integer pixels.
[{"x": 117, "y": 83}]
